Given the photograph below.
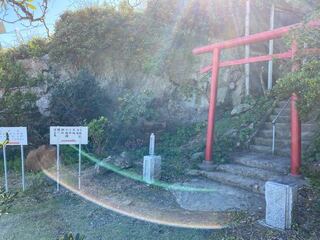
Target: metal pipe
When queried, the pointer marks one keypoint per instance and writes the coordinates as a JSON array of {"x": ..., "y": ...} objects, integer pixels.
[
  {"x": 271, "y": 43},
  {"x": 79, "y": 170},
  {"x": 247, "y": 49},
  {"x": 273, "y": 136},
  {"x": 22, "y": 168},
  {"x": 274, "y": 121},
  {"x": 5, "y": 168},
  {"x": 58, "y": 167},
  {"x": 212, "y": 104}
]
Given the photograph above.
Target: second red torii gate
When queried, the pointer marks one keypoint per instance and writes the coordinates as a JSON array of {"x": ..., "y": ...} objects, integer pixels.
[{"x": 216, "y": 49}]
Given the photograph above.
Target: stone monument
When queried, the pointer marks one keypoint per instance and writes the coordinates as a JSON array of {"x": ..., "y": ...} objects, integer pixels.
[
  {"x": 151, "y": 163},
  {"x": 280, "y": 195}
]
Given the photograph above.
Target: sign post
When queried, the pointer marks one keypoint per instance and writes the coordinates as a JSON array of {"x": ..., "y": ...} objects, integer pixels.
[
  {"x": 58, "y": 167},
  {"x": 22, "y": 167},
  {"x": 66, "y": 136},
  {"x": 14, "y": 136},
  {"x": 79, "y": 170},
  {"x": 5, "y": 168}
]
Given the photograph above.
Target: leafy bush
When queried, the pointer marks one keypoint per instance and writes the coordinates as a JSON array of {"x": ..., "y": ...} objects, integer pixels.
[
  {"x": 111, "y": 36},
  {"x": 18, "y": 100},
  {"x": 71, "y": 236},
  {"x": 130, "y": 109},
  {"x": 305, "y": 83},
  {"x": 132, "y": 106},
  {"x": 73, "y": 102},
  {"x": 99, "y": 134},
  {"x": 6, "y": 200},
  {"x": 231, "y": 133},
  {"x": 36, "y": 47},
  {"x": 234, "y": 132}
]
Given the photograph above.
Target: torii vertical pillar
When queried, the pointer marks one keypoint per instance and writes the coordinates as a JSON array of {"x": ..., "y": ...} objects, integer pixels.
[
  {"x": 212, "y": 107},
  {"x": 295, "y": 124}
]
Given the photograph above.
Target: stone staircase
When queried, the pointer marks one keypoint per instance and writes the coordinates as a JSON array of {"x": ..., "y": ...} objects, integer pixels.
[
  {"x": 250, "y": 171},
  {"x": 263, "y": 140}
]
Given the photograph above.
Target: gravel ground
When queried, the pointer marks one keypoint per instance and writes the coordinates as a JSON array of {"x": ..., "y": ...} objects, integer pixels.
[{"x": 41, "y": 213}]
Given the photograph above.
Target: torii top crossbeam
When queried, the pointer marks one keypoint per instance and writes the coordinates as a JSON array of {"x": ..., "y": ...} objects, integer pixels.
[{"x": 216, "y": 48}]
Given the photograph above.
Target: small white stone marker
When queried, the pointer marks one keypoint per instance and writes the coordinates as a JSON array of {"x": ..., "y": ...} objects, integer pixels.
[
  {"x": 280, "y": 199},
  {"x": 151, "y": 163},
  {"x": 152, "y": 144}
]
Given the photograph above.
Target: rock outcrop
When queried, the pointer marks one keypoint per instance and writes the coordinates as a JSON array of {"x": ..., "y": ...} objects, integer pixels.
[{"x": 43, "y": 157}]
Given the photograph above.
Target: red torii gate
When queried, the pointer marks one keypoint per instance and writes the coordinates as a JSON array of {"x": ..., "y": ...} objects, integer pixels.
[{"x": 216, "y": 48}]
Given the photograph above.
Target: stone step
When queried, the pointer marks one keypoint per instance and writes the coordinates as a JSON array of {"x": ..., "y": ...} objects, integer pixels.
[
  {"x": 285, "y": 111},
  {"x": 250, "y": 184},
  {"x": 246, "y": 171},
  {"x": 305, "y": 127},
  {"x": 280, "y": 119},
  {"x": 306, "y": 136},
  {"x": 279, "y": 143},
  {"x": 275, "y": 164},
  {"x": 268, "y": 150},
  {"x": 280, "y": 104}
]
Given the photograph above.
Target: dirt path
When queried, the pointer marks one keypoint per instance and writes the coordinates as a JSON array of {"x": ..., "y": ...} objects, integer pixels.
[
  {"x": 40, "y": 213},
  {"x": 138, "y": 200}
]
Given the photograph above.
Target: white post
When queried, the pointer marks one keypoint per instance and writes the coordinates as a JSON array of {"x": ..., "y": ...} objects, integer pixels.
[
  {"x": 152, "y": 144},
  {"x": 22, "y": 168},
  {"x": 58, "y": 167},
  {"x": 273, "y": 137},
  {"x": 79, "y": 172},
  {"x": 247, "y": 48},
  {"x": 271, "y": 43},
  {"x": 5, "y": 168}
]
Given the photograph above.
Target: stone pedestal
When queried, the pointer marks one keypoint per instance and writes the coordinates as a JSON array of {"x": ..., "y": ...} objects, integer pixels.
[
  {"x": 281, "y": 195},
  {"x": 207, "y": 166},
  {"x": 151, "y": 168}
]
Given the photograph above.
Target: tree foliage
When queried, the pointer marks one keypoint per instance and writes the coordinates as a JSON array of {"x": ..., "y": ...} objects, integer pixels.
[
  {"x": 99, "y": 133},
  {"x": 72, "y": 102},
  {"x": 18, "y": 99},
  {"x": 306, "y": 81},
  {"x": 90, "y": 42},
  {"x": 29, "y": 11}
]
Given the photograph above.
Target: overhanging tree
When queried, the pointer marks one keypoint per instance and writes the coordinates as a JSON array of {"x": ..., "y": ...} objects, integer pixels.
[{"x": 27, "y": 11}]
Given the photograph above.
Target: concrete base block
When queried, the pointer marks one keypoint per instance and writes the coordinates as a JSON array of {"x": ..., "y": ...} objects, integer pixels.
[
  {"x": 207, "y": 166},
  {"x": 151, "y": 168},
  {"x": 280, "y": 195}
]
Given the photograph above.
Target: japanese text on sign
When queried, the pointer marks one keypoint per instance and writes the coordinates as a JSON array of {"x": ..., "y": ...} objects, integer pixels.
[
  {"x": 14, "y": 135},
  {"x": 68, "y": 135}
]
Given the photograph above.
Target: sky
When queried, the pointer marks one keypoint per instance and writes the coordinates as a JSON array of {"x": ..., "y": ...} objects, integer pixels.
[{"x": 56, "y": 8}]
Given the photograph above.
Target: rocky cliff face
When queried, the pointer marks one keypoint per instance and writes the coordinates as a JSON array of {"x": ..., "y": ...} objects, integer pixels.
[{"x": 180, "y": 93}]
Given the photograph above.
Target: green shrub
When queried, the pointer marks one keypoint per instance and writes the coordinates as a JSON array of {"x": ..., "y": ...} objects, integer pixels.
[
  {"x": 99, "y": 134},
  {"x": 71, "y": 236},
  {"x": 73, "y": 102},
  {"x": 125, "y": 122},
  {"x": 6, "y": 200},
  {"x": 35, "y": 48},
  {"x": 18, "y": 100},
  {"x": 305, "y": 82},
  {"x": 111, "y": 36}
]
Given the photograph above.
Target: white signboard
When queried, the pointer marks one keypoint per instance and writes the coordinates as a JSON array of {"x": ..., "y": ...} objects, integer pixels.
[
  {"x": 68, "y": 135},
  {"x": 15, "y": 135}
]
